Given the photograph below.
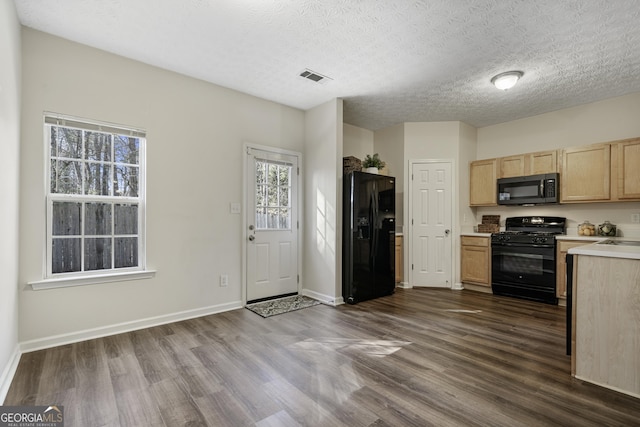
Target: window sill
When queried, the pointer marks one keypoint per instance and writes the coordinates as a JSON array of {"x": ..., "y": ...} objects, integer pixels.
[{"x": 65, "y": 282}]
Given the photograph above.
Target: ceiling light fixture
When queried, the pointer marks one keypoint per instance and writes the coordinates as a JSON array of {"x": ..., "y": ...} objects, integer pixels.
[{"x": 506, "y": 80}]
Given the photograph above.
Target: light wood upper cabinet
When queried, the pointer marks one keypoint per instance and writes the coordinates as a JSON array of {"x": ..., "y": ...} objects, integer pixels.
[
  {"x": 541, "y": 162},
  {"x": 511, "y": 166},
  {"x": 625, "y": 172},
  {"x": 586, "y": 173},
  {"x": 608, "y": 172},
  {"x": 475, "y": 260},
  {"x": 482, "y": 185},
  {"x": 528, "y": 164}
]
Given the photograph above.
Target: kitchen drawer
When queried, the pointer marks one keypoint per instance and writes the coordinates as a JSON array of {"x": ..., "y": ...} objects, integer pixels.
[{"x": 474, "y": 241}]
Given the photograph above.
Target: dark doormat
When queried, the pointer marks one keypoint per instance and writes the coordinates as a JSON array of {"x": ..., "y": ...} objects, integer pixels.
[{"x": 282, "y": 305}]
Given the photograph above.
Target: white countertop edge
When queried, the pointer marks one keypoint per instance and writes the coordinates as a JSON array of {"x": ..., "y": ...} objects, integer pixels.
[
  {"x": 585, "y": 238},
  {"x": 476, "y": 234},
  {"x": 609, "y": 251}
]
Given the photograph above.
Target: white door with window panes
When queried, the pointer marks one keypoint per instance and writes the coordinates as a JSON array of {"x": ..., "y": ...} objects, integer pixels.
[
  {"x": 272, "y": 224},
  {"x": 95, "y": 198}
]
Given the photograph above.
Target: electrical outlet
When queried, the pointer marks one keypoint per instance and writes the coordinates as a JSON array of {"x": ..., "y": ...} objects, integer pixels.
[
  {"x": 635, "y": 218},
  {"x": 224, "y": 280}
]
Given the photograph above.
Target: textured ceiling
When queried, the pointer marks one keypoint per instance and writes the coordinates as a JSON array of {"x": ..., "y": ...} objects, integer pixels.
[{"x": 392, "y": 61}]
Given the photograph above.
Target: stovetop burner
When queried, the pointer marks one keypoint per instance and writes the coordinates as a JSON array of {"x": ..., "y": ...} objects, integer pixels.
[
  {"x": 527, "y": 233},
  {"x": 530, "y": 230}
]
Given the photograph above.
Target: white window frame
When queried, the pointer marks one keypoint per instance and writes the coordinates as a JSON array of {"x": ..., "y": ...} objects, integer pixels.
[{"x": 54, "y": 280}]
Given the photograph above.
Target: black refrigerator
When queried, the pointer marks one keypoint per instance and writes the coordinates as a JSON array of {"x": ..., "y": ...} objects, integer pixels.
[{"x": 369, "y": 229}]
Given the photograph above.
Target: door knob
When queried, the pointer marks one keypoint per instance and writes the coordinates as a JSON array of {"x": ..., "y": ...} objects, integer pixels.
[
  {"x": 252, "y": 238},
  {"x": 446, "y": 232},
  {"x": 251, "y": 227}
]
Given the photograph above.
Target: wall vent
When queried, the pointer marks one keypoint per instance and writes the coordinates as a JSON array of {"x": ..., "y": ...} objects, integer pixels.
[{"x": 313, "y": 76}]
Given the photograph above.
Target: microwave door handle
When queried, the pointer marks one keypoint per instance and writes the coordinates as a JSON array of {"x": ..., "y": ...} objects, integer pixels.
[{"x": 541, "y": 188}]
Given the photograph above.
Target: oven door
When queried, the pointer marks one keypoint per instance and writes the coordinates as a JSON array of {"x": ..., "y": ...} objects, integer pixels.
[{"x": 524, "y": 268}]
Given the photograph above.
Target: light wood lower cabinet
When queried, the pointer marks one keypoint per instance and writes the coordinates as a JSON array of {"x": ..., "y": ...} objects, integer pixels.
[
  {"x": 561, "y": 264},
  {"x": 475, "y": 260},
  {"x": 607, "y": 322},
  {"x": 399, "y": 261}
]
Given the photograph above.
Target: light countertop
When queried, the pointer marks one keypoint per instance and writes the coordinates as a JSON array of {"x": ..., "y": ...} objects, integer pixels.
[
  {"x": 476, "y": 234},
  {"x": 610, "y": 251},
  {"x": 585, "y": 238}
]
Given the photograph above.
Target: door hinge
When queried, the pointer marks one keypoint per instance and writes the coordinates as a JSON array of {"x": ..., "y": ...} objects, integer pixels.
[
  {"x": 412, "y": 266},
  {"x": 298, "y": 278},
  {"x": 298, "y": 225},
  {"x": 298, "y": 169},
  {"x": 411, "y": 221}
]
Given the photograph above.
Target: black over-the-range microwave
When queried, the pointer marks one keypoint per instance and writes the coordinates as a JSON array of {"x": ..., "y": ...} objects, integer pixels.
[{"x": 528, "y": 190}]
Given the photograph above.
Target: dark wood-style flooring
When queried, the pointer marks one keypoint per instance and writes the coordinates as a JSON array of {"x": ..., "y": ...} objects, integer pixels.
[{"x": 419, "y": 357}]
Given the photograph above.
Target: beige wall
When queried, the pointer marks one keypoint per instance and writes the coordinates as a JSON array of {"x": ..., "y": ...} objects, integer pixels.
[
  {"x": 195, "y": 136},
  {"x": 357, "y": 142},
  {"x": 611, "y": 119},
  {"x": 10, "y": 66},
  {"x": 323, "y": 202}
]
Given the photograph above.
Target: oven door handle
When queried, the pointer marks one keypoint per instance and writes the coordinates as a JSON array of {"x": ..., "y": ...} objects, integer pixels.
[{"x": 521, "y": 245}]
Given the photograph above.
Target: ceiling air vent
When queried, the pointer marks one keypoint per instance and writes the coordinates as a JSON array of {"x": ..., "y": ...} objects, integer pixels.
[{"x": 313, "y": 76}]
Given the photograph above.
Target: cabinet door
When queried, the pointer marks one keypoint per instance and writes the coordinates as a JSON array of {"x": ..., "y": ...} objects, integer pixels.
[
  {"x": 475, "y": 265},
  {"x": 561, "y": 264},
  {"x": 482, "y": 183},
  {"x": 475, "y": 260},
  {"x": 511, "y": 166},
  {"x": 399, "y": 261},
  {"x": 586, "y": 173},
  {"x": 541, "y": 162},
  {"x": 627, "y": 169}
]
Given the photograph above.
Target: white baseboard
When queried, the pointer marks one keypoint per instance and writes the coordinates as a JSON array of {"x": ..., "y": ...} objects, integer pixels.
[
  {"x": 325, "y": 299},
  {"x": 8, "y": 373},
  {"x": 73, "y": 337},
  {"x": 457, "y": 286},
  {"x": 403, "y": 285}
]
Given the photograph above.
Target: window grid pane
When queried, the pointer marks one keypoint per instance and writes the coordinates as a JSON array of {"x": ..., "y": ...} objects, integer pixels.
[
  {"x": 67, "y": 219},
  {"x": 97, "y": 253},
  {"x": 66, "y": 255},
  {"x": 98, "y": 219},
  {"x": 126, "y": 252}
]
